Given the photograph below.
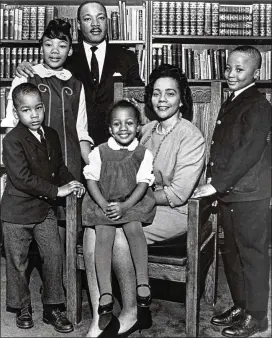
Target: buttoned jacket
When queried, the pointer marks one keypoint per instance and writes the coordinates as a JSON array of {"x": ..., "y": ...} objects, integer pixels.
[
  {"x": 240, "y": 153},
  {"x": 120, "y": 65},
  {"x": 33, "y": 175}
]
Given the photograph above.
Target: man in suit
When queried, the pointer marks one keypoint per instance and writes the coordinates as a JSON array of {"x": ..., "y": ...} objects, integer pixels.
[
  {"x": 36, "y": 176},
  {"x": 241, "y": 178},
  {"x": 97, "y": 68}
]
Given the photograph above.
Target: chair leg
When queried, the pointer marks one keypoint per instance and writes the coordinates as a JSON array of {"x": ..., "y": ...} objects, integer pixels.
[{"x": 192, "y": 307}]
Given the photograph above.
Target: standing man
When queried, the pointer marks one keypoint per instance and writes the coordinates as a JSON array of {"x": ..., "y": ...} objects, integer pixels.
[{"x": 97, "y": 64}]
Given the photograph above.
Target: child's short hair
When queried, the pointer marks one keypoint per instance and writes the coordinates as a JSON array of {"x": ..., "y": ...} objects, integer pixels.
[
  {"x": 123, "y": 104},
  {"x": 251, "y": 52},
  {"x": 23, "y": 89},
  {"x": 58, "y": 29}
]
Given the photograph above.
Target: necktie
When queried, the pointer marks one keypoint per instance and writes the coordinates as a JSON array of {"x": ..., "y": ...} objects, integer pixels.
[
  {"x": 229, "y": 99},
  {"x": 43, "y": 141},
  {"x": 94, "y": 66}
]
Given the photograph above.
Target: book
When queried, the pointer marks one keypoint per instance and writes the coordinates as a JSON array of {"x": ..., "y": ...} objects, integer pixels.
[
  {"x": 5, "y": 23},
  {"x": 171, "y": 18},
  {"x": 7, "y": 62},
  {"x": 208, "y": 19},
  {"x": 114, "y": 26},
  {"x": 16, "y": 24},
  {"x": 200, "y": 18},
  {"x": 40, "y": 21},
  {"x": 215, "y": 18},
  {"x": 268, "y": 20},
  {"x": 11, "y": 24},
  {"x": 25, "y": 23},
  {"x": 156, "y": 19},
  {"x": 256, "y": 19},
  {"x": 2, "y": 58},
  {"x": 13, "y": 64},
  {"x": 193, "y": 16},
  {"x": 262, "y": 19},
  {"x": 2, "y": 102},
  {"x": 164, "y": 18},
  {"x": 178, "y": 10},
  {"x": 247, "y": 9},
  {"x": 186, "y": 18},
  {"x": 1, "y": 22},
  {"x": 33, "y": 23}
]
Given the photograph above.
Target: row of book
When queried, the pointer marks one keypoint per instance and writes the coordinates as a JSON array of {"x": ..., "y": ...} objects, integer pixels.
[
  {"x": 205, "y": 64},
  {"x": 211, "y": 18},
  {"x": 28, "y": 22},
  {"x": 10, "y": 57},
  {"x": 4, "y": 92}
]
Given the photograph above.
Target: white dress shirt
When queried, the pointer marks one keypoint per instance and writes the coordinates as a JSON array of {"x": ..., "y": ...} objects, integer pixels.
[{"x": 99, "y": 53}]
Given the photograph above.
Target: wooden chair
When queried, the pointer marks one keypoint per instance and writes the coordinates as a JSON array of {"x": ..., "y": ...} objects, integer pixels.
[{"x": 185, "y": 259}]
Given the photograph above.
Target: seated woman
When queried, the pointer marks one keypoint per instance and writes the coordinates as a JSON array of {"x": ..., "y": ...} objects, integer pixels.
[{"x": 178, "y": 149}]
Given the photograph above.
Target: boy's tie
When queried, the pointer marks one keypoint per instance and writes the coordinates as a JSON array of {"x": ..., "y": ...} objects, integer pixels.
[
  {"x": 94, "y": 66},
  {"x": 43, "y": 140},
  {"x": 229, "y": 99}
]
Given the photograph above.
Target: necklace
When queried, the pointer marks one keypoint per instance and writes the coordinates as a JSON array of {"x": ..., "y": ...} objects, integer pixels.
[{"x": 162, "y": 140}]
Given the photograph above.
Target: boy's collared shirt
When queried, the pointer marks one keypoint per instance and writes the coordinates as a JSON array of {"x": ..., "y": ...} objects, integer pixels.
[
  {"x": 35, "y": 133},
  {"x": 82, "y": 122},
  {"x": 238, "y": 92},
  {"x": 100, "y": 54}
]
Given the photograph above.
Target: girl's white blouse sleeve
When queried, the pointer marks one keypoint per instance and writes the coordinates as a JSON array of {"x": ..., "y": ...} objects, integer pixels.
[
  {"x": 145, "y": 172},
  {"x": 92, "y": 170}
]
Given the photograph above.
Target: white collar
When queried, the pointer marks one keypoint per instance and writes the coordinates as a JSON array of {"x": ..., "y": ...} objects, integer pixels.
[
  {"x": 115, "y": 146},
  {"x": 238, "y": 92},
  {"x": 100, "y": 48},
  {"x": 35, "y": 133},
  {"x": 43, "y": 72}
]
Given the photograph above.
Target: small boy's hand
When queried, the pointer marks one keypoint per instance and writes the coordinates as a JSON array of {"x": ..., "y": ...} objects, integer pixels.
[
  {"x": 115, "y": 210},
  {"x": 72, "y": 187},
  {"x": 204, "y": 190},
  {"x": 24, "y": 69}
]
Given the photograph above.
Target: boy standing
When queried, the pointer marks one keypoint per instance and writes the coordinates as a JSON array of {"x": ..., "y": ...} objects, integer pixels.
[
  {"x": 240, "y": 177},
  {"x": 36, "y": 176}
]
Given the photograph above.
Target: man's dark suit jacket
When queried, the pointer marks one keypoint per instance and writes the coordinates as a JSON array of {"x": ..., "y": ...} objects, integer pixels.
[
  {"x": 33, "y": 175},
  {"x": 98, "y": 99},
  {"x": 240, "y": 163}
]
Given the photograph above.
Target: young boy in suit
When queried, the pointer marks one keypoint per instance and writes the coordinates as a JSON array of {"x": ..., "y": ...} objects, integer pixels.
[
  {"x": 36, "y": 177},
  {"x": 240, "y": 178}
]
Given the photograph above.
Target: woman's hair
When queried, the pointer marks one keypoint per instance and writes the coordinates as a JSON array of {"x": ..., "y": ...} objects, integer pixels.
[
  {"x": 58, "y": 29},
  {"x": 166, "y": 70},
  {"x": 126, "y": 104}
]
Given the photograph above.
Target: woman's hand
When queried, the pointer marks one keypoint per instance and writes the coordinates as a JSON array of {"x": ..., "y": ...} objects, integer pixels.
[
  {"x": 24, "y": 69},
  {"x": 204, "y": 190},
  {"x": 115, "y": 210}
]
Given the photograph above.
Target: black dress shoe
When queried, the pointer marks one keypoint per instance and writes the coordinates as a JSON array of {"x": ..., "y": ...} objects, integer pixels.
[
  {"x": 107, "y": 308},
  {"x": 228, "y": 317},
  {"x": 24, "y": 318},
  {"x": 246, "y": 327},
  {"x": 58, "y": 320},
  {"x": 143, "y": 301}
]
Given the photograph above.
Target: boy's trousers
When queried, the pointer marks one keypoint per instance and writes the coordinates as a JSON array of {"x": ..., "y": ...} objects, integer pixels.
[
  {"x": 245, "y": 254},
  {"x": 17, "y": 239}
]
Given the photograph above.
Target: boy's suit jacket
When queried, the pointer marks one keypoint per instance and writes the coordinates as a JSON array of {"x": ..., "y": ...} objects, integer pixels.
[
  {"x": 239, "y": 162},
  {"x": 33, "y": 175},
  {"x": 119, "y": 65}
]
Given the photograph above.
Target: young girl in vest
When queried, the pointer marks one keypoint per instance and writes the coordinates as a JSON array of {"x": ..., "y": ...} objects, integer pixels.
[{"x": 119, "y": 176}]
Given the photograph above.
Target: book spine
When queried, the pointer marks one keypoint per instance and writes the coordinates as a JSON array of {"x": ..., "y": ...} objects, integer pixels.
[
  {"x": 156, "y": 22},
  {"x": 235, "y": 32},
  {"x": 19, "y": 55},
  {"x": 171, "y": 18},
  {"x": 164, "y": 54},
  {"x": 141, "y": 24},
  {"x": 222, "y": 63},
  {"x": 154, "y": 57},
  {"x": 25, "y": 24},
  {"x": 235, "y": 17},
  {"x": 256, "y": 19},
  {"x": 164, "y": 18},
  {"x": 40, "y": 21},
  {"x": 268, "y": 20},
  {"x": 11, "y": 24},
  {"x": 200, "y": 18},
  {"x": 7, "y": 63},
  {"x": 2, "y": 102},
  {"x": 186, "y": 18},
  {"x": 1, "y": 22},
  {"x": 16, "y": 23},
  {"x": 174, "y": 54},
  {"x": 178, "y": 9},
  {"x": 30, "y": 51},
  {"x": 217, "y": 64},
  {"x": 49, "y": 14},
  {"x": 215, "y": 19},
  {"x": 6, "y": 23},
  {"x": 246, "y": 9},
  {"x": 24, "y": 54},
  {"x": 20, "y": 24},
  {"x": 193, "y": 16},
  {"x": 2, "y": 60},
  {"x": 208, "y": 19},
  {"x": 13, "y": 55},
  {"x": 36, "y": 55},
  {"x": 238, "y": 24},
  {"x": 114, "y": 26},
  {"x": 33, "y": 23},
  {"x": 179, "y": 56}
]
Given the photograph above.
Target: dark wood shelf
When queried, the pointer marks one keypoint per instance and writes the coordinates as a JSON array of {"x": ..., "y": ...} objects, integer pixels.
[
  {"x": 68, "y": 2},
  {"x": 209, "y": 39}
]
